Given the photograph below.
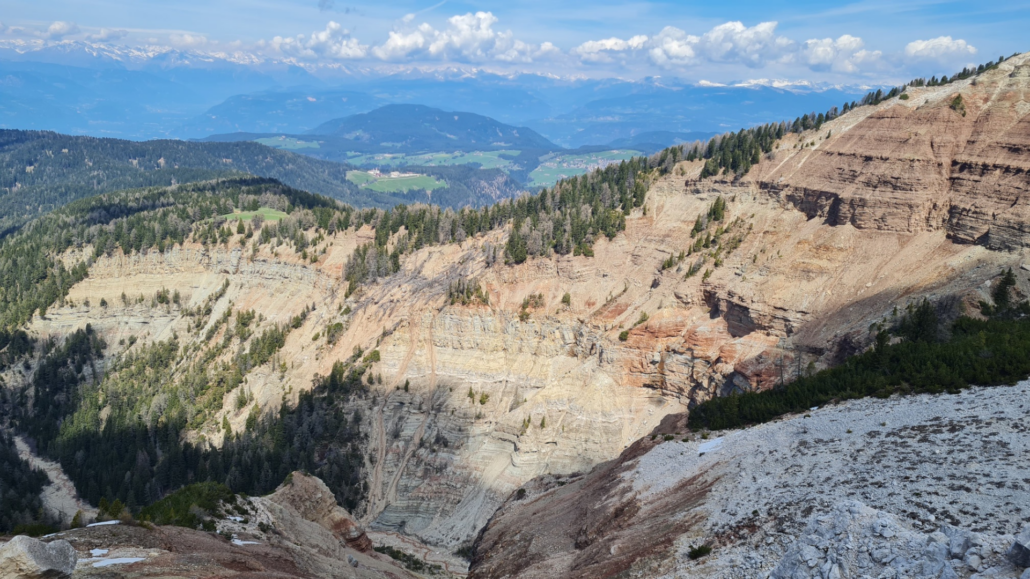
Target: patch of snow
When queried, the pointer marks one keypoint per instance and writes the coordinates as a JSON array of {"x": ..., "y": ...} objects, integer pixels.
[
  {"x": 665, "y": 465},
  {"x": 117, "y": 561},
  {"x": 98, "y": 552},
  {"x": 239, "y": 542},
  {"x": 710, "y": 446},
  {"x": 235, "y": 518},
  {"x": 104, "y": 523}
]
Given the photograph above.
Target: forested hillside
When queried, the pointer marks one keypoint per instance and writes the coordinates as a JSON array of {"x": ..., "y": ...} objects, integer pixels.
[
  {"x": 151, "y": 395},
  {"x": 40, "y": 171},
  {"x": 417, "y": 128},
  {"x": 20, "y": 485}
]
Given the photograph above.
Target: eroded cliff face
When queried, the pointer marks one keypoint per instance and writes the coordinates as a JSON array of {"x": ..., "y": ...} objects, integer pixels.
[
  {"x": 902, "y": 201},
  {"x": 952, "y": 158},
  {"x": 886, "y": 205}
]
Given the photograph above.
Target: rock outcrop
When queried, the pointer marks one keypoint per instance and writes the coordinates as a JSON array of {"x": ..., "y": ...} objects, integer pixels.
[
  {"x": 303, "y": 519},
  {"x": 312, "y": 501},
  {"x": 1019, "y": 552},
  {"x": 27, "y": 558},
  {"x": 921, "y": 164},
  {"x": 137, "y": 552}
]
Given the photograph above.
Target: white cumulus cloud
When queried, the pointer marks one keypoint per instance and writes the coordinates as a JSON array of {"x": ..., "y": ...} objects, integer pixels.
[
  {"x": 940, "y": 48},
  {"x": 754, "y": 46},
  {"x": 334, "y": 42},
  {"x": 674, "y": 47},
  {"x": 471, "y": 35},
  {"x": 60, "y": 29},
  {"x": 602, "y": 50},
  {"x": 468, "y": 37},
  {"x": 846, "y": 54},
  {"x": 401, "y": 44},
  {"x": 732, "y": 42}
]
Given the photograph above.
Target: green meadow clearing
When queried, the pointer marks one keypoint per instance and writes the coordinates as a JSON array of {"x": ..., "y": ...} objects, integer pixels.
[
  {"x": 488, "y": 159},
  {"x": 558, "y": 166},
  {"x": 268, "y": 213},
  {"x": 388, "y": 184}
]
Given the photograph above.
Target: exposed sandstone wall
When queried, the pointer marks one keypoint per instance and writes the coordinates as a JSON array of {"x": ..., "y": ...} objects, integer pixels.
[{"x": 920, "y": 164}]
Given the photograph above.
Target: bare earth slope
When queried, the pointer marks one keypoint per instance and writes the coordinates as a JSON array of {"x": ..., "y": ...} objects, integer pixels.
[{"x": 881, "y": 208}]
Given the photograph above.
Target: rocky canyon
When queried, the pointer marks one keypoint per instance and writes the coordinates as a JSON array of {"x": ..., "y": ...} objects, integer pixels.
[{"x": 543, "y": 428}]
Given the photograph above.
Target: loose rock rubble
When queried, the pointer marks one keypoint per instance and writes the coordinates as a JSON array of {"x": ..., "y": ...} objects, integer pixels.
[{"x": 854, "y": 540}]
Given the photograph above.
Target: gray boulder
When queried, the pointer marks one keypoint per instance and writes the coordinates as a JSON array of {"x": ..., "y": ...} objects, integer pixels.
[
  {"x": 27, "y": 558},
  {"x": 1019, "y": 552}
]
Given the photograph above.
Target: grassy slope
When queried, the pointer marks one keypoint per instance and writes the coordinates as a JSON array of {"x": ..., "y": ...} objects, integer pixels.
[
  {"x": 268, "y": 213},
  {"x": 485, "y": 159},
  {"x": 554, "y": 168},
  {"x": 394, "y": 184}
]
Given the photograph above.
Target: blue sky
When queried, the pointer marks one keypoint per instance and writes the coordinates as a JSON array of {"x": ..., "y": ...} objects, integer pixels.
[{"x": 720, "y": 41}]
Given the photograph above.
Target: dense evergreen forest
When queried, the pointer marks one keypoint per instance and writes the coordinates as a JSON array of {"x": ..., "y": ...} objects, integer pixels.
[
  {"x": 20, "y": 485},
  {"x": 138, "y": 456},
  {"x": 40, "y": 171}
]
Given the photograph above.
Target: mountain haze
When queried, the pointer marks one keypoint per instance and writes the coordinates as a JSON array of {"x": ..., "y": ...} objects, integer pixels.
[{"x": 179, "y": 94}]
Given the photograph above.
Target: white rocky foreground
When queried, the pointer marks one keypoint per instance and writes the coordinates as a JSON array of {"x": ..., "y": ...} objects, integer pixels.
[{"x": 920, "y": 486}]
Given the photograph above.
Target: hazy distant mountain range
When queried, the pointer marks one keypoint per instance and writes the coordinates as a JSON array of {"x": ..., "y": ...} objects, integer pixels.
[{"x": 184, "y": 95}]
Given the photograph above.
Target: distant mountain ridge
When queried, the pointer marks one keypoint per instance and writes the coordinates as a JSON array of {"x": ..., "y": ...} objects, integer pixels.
[
  {"x": 87, "y": 89},
  {"x": 418, "y": 128}
]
